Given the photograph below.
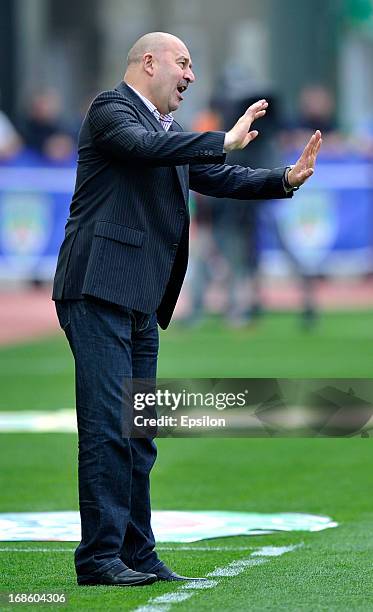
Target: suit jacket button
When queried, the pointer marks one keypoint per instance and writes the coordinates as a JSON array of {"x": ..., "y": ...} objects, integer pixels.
[
  {"x": 181, "y": 212},
  {"x": 175, "y": 245}
]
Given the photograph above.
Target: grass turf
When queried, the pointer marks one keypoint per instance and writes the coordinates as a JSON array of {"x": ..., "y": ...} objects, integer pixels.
[
  {"x": 332, "y": 571},
  {"x": 39, "y": 375}
]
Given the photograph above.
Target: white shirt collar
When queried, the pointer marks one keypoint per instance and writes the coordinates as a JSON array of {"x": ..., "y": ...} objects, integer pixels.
[{"x": 164, "y": 120}]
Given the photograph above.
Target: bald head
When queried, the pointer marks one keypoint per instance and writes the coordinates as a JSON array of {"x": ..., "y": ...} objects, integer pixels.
[
  {"x": 154, "y": 42},
  {"x": 159, "y": 67}
]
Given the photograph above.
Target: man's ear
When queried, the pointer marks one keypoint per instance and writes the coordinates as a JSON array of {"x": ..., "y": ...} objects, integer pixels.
[{"x": 148, "y": 62}]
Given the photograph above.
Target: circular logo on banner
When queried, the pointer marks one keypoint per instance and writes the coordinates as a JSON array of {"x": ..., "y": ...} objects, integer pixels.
[
  {"x": 308, "y": 227},
  {"x": 25, "y": 225}
]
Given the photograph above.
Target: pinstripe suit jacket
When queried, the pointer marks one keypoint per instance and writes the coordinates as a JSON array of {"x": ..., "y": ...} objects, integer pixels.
[{"x": 126, "y": 238}]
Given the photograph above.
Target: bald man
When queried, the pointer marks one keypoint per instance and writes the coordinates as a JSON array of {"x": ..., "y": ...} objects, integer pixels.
[{"x": 119, "y": 274}]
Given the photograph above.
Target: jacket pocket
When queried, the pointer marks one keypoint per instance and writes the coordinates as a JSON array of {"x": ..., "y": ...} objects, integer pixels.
[{"x": 119, "y": 233}]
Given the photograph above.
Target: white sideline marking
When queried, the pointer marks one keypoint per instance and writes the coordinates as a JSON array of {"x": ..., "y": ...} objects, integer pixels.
[
  {"x": 236, "y": 567},
  {"x": 154, "y": 608},
  {"x": 168, "y": 599},
  {"x": 171, "y": 597},
  {"x": 206, "y": 548},
  {"x": 197, "y": 584},
  {"x": 163, "y": 603},
  {"x": 274, "y": 551}
]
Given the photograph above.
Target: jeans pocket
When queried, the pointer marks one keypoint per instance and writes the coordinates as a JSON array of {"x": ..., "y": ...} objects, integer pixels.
[
  {"x": 63, "y": 314},
  {"x": 142, "y": 322}
]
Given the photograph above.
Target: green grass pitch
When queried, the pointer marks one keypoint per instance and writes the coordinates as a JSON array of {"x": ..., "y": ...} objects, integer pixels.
[{"x": 333, "y": 568}]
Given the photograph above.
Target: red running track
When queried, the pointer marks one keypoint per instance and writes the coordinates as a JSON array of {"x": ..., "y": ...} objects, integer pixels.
[{"x": 26, "y": 314}]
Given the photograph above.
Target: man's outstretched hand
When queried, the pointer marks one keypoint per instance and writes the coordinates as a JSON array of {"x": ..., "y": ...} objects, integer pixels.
[
  {"x": 240, "y": 135},
  {"x": 305, "y": 165}
]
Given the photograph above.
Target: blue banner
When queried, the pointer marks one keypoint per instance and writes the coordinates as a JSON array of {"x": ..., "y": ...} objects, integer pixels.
[
  {"x": 34, "y": 205},
  {"x": 326, "y": 228}
]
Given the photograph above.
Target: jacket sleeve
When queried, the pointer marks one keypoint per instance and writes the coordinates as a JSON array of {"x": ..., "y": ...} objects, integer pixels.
[
  {"x": 118, "y": 133},
  {"x": 238, "y": 182}
]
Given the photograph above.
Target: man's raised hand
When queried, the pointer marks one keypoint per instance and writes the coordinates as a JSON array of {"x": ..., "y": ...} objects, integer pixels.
[
  {"x": 305, "y": 165},
  {"x": 240, "y": 135}
]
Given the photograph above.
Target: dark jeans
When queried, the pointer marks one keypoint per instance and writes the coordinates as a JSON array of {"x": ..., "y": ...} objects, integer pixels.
[{"x": 111, "y": 344}]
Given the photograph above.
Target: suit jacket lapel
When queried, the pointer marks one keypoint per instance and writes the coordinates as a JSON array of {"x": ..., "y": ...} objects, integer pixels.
[{"x": 127, "y": 92}]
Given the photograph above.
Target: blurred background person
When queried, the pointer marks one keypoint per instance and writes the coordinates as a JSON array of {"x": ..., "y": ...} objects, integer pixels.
[
  {"x": 43, "y": 128},
  {"x": 204, "y": 251},
  {"x": 235, "y": 223},
  {"x": 10, "y": 140},
  {"x": 316, "y": 106}
]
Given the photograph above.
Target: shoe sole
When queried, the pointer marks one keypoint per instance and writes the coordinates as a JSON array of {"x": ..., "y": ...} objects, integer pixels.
[
  {"x": 181, "y": 579},
  {"x": 102, "y": 583}
]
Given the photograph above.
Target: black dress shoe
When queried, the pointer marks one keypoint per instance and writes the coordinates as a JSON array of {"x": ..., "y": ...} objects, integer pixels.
[
  {"x": 165, "y": 573},
  {"x": 118, "y": 577}
]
